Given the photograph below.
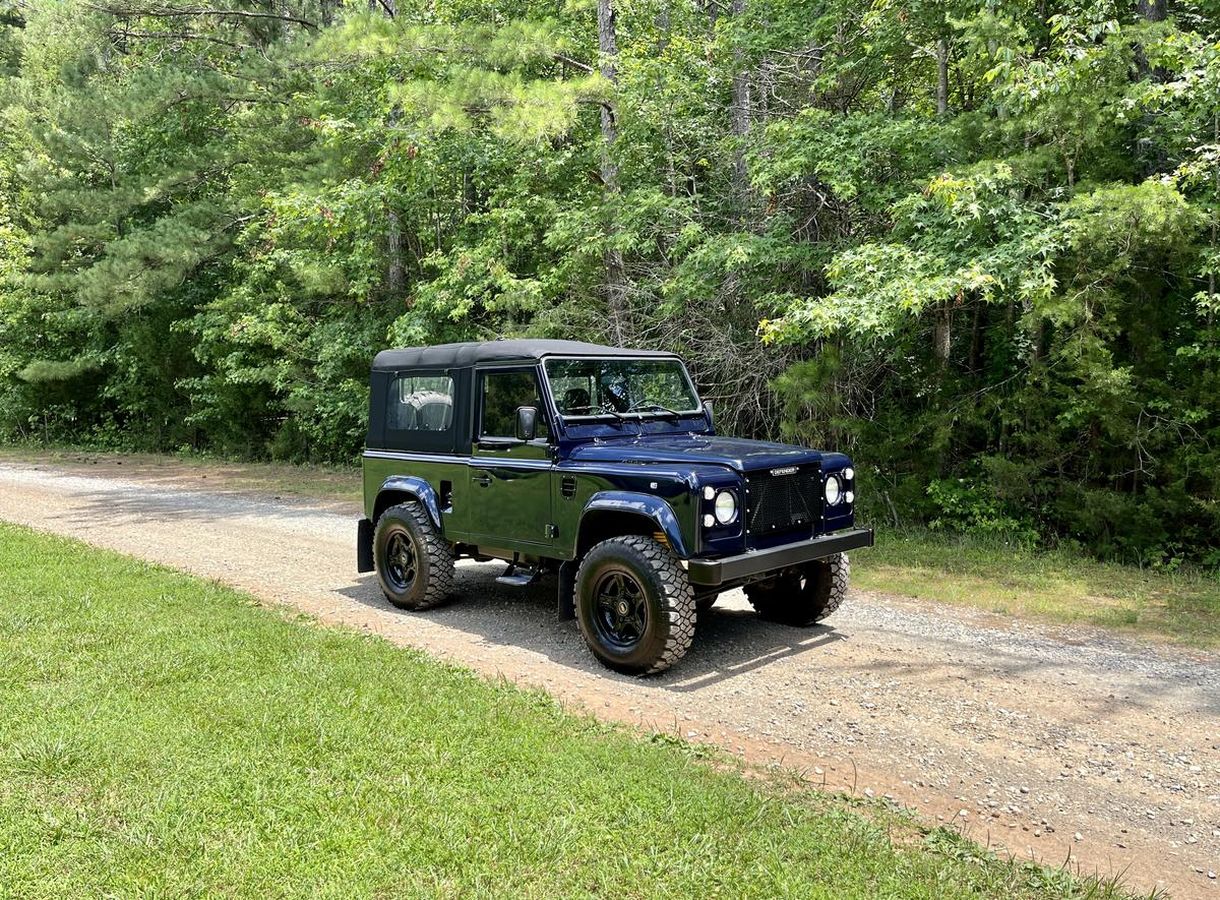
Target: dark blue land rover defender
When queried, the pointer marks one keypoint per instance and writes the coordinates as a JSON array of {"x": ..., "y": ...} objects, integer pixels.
[{"x": 601, "y": 465}]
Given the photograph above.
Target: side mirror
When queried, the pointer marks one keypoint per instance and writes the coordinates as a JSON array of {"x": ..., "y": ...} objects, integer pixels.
[
  {"x": 527, "y": 423},
  {"x": 707, "y": 411}
]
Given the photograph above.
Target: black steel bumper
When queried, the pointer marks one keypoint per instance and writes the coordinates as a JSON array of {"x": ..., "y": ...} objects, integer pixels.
[{"x": 713, "y": 572}]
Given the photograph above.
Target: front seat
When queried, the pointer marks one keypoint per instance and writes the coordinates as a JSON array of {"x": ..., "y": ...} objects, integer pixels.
[{"x": 576, "y": 398}]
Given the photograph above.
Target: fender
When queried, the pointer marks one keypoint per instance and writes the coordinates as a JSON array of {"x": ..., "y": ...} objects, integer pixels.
[
  {"x": 418, "y": 488},
  {"x": 647, "y": 505}
]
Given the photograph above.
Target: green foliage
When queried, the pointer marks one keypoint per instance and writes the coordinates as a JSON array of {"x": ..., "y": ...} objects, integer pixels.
[
  {"x": 972, "y": 508},
  {"x": 958, "y": 240}
]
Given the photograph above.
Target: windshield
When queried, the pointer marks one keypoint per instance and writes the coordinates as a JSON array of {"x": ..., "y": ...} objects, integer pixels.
[{"x": 598, "y": 387}]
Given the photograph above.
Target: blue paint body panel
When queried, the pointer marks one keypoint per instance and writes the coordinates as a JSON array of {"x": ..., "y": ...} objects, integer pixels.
[{"x": 694, "y": 448}]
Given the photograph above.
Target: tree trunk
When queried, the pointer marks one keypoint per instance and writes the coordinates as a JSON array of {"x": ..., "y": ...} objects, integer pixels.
[
  {"x": 942, "y": 77},
  {"x": 607, "y": 44},
  {"x": 1151, "y": 157},
  {"x": 664, "y": 26},
  {"x": 976, "y": 339},
  {"x": 942, "y": 334},
  {"x": 1211, "y": 273},
  {"x": 395, "y": 271},
  {"x": 616, "y": 274},
  {"x": 469, "y": 195},
  {"x": 740, "y": 116}
]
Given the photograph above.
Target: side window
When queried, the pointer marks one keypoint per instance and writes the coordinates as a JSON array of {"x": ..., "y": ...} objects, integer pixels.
[
  {"x": 420, "y": 403},
  {"x": 502, "y": 393}
]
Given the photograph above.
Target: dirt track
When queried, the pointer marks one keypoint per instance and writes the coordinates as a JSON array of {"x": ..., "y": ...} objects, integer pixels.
[{"x": 1058, "y": 745}]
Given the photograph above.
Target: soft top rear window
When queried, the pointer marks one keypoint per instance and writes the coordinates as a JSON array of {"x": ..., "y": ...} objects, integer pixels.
[{"x": 420, "y": 403}]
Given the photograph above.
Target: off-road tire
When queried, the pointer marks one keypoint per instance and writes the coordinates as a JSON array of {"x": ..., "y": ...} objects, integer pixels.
[
  {"x": 806, "y": 598},
  {"x": 432, "y": 583},
  {"x": 669, "y": 628}
]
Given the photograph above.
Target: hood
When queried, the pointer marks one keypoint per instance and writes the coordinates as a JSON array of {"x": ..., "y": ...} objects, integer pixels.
[{"x": 737, "y": 453}]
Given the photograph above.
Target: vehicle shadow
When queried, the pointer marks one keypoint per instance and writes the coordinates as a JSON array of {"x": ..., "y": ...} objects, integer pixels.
[{"x": 728, "y": 642}]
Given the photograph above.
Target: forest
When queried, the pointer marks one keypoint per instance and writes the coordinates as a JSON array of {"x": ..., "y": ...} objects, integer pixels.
[{"x": 973, "y": 242}]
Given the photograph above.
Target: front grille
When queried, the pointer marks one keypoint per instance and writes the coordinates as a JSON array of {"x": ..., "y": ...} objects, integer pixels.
[{"x": 780, "y": 503}]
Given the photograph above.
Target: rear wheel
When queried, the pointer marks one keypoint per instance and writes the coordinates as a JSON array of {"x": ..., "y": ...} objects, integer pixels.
[
  {"x": 414, "y": 563},
  {"x": 805, "y": 597},
  {"x": 635, "y": 605}
]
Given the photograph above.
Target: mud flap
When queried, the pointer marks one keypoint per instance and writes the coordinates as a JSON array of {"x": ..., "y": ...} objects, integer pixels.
[
  {"x": 567, "y": 590},
  {"x": 364, "y": 546}
]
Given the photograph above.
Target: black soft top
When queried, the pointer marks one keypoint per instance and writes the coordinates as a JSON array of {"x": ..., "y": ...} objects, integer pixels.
[{"x": 444, "y": 356}]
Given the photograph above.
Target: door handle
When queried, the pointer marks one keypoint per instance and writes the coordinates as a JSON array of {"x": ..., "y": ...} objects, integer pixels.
[{"x": 483, "y": 479}]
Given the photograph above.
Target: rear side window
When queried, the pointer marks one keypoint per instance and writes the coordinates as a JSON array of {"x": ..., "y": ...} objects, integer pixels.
[
  {"x": 420, "y": 403},
  {"x": 503, "y": 393}
]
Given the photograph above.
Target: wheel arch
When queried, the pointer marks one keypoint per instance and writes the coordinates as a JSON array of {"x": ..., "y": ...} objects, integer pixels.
[
  {"x": 402, "y": 488},
  {"x": 612, "y": 513}
]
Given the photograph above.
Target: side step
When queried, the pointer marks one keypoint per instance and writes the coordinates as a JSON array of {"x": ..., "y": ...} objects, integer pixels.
[{"x": 519, "y": 578}]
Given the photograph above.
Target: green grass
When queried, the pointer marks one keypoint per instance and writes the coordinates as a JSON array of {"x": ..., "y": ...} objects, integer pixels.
[
  {"x": 1051, "y": 585},
  {"x": 161, "y": 735}
]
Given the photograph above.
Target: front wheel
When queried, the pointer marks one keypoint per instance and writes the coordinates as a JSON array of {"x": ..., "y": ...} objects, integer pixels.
[
  {"x": 805, "y": 597},
  {"x": 635, "y": 605}
]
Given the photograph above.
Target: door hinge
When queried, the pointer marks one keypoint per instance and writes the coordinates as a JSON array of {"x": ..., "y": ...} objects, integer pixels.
[{"x": 552, "y": 531}]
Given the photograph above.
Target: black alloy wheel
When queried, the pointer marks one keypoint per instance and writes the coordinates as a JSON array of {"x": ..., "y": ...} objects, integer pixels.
[
  {"x": 402, "y": 564},
  {"x": 621, "y": 617}
]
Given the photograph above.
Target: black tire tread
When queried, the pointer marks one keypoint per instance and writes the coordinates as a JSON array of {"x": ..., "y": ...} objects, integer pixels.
[
  {"x": 819, "y": 599},
  {"x": 438, "y": 588},
  {"x": 678, "y": 597}
]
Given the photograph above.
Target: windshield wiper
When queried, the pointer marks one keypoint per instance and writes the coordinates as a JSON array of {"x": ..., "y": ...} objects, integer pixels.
[
  {"x": 655, "y": 407},
  {"x": 611, "y": 411}
]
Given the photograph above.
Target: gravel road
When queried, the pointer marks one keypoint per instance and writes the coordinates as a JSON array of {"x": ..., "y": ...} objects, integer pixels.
[{"x": 1061, "y": 745}]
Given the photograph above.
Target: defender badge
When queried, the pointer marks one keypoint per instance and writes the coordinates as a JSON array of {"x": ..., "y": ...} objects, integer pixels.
[{"x": 786, "y": 470}]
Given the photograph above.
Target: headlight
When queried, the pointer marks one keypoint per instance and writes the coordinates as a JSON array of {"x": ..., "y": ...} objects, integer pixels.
[
  {"x": 833, "y": 490},
  {"x": 726, "y": 507}
]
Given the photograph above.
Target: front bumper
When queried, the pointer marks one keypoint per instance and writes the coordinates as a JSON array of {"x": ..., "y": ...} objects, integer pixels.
[{"x": 714, "y": 572}]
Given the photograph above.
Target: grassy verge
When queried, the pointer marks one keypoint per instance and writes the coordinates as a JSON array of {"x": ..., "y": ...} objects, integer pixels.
[
  {"x": 1052, "y": 585},
  {"x": 160, "y": 735}
]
